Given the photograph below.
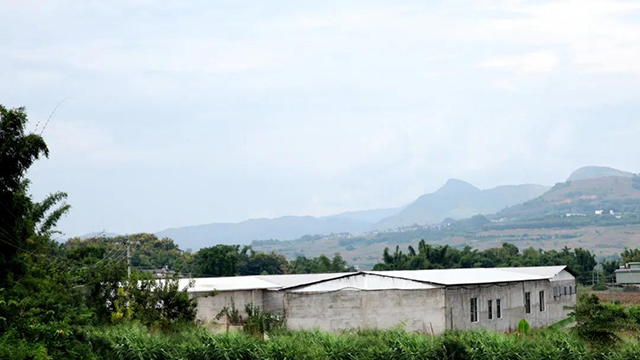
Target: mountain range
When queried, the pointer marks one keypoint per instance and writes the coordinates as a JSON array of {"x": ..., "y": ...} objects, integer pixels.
[
  {"x": 586, "y": 189},
  {"x": 456, "y": 199}
]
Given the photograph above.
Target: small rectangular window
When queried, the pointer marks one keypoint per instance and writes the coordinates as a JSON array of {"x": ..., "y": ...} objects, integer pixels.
[
  {"x": 474, "y": 309},
  {"x": 541, "y": 295},
  {"x": 498, "y": 309},
  {"x": 490, "y": 309},
  {"x": 527, "y": 302},
  {"x": 565, "y": 290}
]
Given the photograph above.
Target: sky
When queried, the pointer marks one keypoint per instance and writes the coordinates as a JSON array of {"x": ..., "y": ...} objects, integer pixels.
[{"x": 192, "y": 112}]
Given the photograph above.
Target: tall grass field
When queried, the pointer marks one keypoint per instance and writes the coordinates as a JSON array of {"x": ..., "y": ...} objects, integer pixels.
[{"x": 193, "y": 342}]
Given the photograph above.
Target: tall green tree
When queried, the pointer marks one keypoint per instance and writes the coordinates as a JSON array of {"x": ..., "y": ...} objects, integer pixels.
[
  {"x": 445, "y": 257},
  {"x": 630, "y": 255},
  {"x": 25, "y": 225},
  {"x": 219, "y": 260}
]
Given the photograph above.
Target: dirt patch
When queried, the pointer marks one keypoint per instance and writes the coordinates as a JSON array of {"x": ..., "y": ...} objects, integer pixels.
[{"x": 625, "y": 298}]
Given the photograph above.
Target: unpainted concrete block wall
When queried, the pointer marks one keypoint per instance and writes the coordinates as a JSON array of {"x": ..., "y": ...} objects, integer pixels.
[
  {"x": 209, "y": 306},
  {"x": 416, "y": 310},
  {"x": 458, "y": 300},
  {"x": 273, "y": 300}
]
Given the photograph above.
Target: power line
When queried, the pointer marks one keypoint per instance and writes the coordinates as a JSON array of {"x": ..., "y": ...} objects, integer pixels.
[
  {"x": 50, "y": 115},
  {"x": 17, "y": 247},
  {"x": 7, "y": 240}
]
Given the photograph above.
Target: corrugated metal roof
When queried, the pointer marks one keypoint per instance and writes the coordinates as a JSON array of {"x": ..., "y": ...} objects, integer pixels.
[
  {"x": 476, "y": 275},
  {"x": 437, "y": 277},
  {"x": 546, "y": 271},
  {"x": 255, "y": 282},
  {"x": 365, "y": 281},
  {"x": 227, "y": 284},
  {"x": 298, "y": 279}
]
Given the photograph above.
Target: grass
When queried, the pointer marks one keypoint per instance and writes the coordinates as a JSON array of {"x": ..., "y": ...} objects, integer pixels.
[
  {"x": 562, "y": 323},
  {"x": 131, "y": 341},
  {"x": 135, "y": 342}
]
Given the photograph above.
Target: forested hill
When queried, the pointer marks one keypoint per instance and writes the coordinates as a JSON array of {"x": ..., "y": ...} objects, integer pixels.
[
  {"x": 594, "y": 172},
  {"x": 621, "y": 194},
  {"x": 458, "y": 199}
]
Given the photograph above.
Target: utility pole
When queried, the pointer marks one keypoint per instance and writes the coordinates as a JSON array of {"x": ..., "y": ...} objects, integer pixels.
[{"x": 129, "y": 257}]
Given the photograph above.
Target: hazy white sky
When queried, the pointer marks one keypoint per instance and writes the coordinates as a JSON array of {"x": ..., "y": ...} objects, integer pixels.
[{"x": 198, "y": 112}]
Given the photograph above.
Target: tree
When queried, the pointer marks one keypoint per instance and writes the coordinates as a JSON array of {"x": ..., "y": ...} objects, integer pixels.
[
  {"x": 320, "y": 264},
  {"x": 260, "y": 263},
  {"x": 149, "y": 251},
  {"x": 39, "y": 299},
  {"x": 609, "y": 268},
  {"x": 156, "y": 303},
  {"x": 598, "y": 322},
  {"x": 24, "y": 224},
  {"x": 446, "y": 257},
  {"x": 630, "y": 255},
  {"x": 219, "y": 260}
]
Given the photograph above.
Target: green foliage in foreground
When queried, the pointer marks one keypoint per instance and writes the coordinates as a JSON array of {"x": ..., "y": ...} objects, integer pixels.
[{"x": 136, "y": 342}]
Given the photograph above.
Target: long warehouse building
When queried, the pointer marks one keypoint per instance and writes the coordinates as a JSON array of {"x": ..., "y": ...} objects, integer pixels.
[{"x": 420, "y": 300}]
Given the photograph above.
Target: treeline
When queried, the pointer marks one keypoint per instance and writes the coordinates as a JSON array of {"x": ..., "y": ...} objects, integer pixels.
[
  {"x": 427, "y": 256},
  {"x": 232, "y": 260},
  {"x": 151, "y": 253}
]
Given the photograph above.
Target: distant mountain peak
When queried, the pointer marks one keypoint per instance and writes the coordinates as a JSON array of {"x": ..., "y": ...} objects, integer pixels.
[
  {"x": 594, "y": 172},
  {"x": 457, "y": 186}
]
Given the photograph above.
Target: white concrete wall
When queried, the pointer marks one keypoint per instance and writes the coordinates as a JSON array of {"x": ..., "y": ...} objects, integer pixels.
[
  {"x": 209, "y": 306},
  {"x": 417, "y": 310},
  {"x": 458, "y": 300}
]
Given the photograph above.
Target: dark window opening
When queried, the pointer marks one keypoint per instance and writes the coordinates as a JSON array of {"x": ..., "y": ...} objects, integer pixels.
[{"x": 474, "y": 309}]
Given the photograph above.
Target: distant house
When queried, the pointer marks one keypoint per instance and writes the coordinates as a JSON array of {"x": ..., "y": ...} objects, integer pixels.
[
  {"x": 419, "y": 300},
  {"x": 575, "y": 214},
  {"x": 628, "y": 274}
]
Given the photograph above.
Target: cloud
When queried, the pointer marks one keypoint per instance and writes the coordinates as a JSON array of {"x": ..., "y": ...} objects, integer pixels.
[
  {"x": 307, "y": 108},
  {"x": 600, "y": 36},
  {"x": 531, "y": 63}
]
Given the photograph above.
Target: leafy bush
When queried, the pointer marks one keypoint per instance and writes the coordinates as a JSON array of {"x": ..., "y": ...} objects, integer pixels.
[
  {"x": 598, "y": 322},
  {"x": 259, "y": 322},
  {"x": 523, "y": 327},
  {"x": 156, "y": 303},
  {"x": 599, "y": 287},
  {"x": 256, "y": 322},
  {"x": 231, "y": 313},
  {"x": 634, "y": 314}
]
